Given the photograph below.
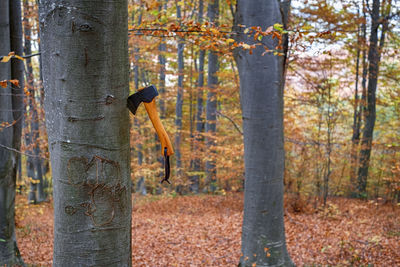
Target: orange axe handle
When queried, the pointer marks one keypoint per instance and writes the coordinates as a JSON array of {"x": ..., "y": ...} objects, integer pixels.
[{"x": 162, "y": 134}]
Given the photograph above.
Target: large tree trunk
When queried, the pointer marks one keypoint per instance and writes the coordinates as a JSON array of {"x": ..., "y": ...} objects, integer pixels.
[
  {"x": 11, "y": 103},
  {"x": 211, "y": 107},
  {"x": 263, "y": 232},
  {"x": 370, "y": 108},
  {"x": 85, "y": 72}
]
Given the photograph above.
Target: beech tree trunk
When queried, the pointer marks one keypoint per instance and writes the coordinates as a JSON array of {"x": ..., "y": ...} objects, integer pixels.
[
  {"x": 86, "y": 81},
  {"x": 263, "y": 232},
  {"x": 11, "y": 103},
  {"x": 211, "y": 108}
]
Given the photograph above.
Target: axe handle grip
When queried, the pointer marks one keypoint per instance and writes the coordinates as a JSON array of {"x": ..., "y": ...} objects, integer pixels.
[{"x": 162, "y": 134}]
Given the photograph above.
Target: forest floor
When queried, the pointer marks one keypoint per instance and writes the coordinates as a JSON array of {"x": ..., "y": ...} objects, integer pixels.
[{"x": 205, "y": 231}]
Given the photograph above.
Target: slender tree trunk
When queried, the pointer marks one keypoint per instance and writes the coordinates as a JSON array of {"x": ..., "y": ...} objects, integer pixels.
[
  {"x": 19, "y": 176},
  {"x": 40, "y": 195},
  {"x": 191, "y": 103},
  {"x": 179, "y": 100},
  {"x": 263, "y": 233},
  {"x": 285, "y": 13},
  {"x": 370, "y": 109},
  {"x": 86, "y": 81},
  {"x": 211, "y": 107},
  {"x": 162, "y": 49},
  {"x": 34, "y": 165},
  {"x": 329, "y": 145},
  {"x": 318, "y": 159},
  {"x": 141, "y": 183},
  {"x": 45, "y": 163},
  {"x": 355, "y": 139},
  {"x": 11, "y": 103},
  {"x": 30, "y": 167},
  {"x": 161, "y": 85},
  {"x": 197, "y": 162}
]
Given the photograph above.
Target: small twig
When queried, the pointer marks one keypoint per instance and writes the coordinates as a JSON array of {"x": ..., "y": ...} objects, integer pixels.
[
  {"x": 32, "y": 55},
  {"x": 20, "y": 152},
  {"x": 11, "y": 124},
  {"x": 232, "y": 121}
]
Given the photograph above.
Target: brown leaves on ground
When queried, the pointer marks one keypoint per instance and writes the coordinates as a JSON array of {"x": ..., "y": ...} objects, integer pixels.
[
  {"x": 187, "y": 231},
  {"x": 34, "y": 229},
  {"x": 205, "y": 231}
]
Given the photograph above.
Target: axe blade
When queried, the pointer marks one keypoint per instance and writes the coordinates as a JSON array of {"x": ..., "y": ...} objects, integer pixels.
[{"x": 146, "y": 95}]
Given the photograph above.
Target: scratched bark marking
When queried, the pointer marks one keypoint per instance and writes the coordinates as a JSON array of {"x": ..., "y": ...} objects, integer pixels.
[
  {"x": 98, "y": 171},
  {"x": 97, "y": 175}
]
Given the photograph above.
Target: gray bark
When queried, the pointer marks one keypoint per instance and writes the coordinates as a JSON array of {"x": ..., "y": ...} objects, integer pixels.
[
  {"x": 11, "y": 105},
  {"x": 179, "y": 99},
  {"x": 162, "y": 49},
  {"x": 86, "y": 80},
  {"x": 263, "y": 232},
  {"x": 211, "y": 106},
  {"x": 197, "y": 162}
]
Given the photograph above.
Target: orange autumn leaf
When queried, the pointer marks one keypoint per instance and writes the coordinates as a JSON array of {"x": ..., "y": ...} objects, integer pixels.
[
  {"x": 3, "y": 83},
  {"x": 14, "y": 82}
]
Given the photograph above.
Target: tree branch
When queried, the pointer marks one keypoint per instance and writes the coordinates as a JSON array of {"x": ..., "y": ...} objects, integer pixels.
[
  {"x": 232, "y": 121},
  {"x": 20, "y": 152}
]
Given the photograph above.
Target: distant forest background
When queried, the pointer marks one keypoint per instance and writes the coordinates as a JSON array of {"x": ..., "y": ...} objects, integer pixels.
[{"x": 328, "y": 100}]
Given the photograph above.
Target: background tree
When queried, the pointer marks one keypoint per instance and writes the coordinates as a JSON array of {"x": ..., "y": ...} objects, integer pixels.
[
  {"x": 263, "y": 236},
  {"x": 196, "y": 161},
  {"x": 34, "y": 162},
  {"x": 11, "y": 106},
  {"x": 211, "y": 107},
  {"x": 179, "y": 96},
  {"x": 374, "y": 57},
  {"x": 85, "y": 71}
]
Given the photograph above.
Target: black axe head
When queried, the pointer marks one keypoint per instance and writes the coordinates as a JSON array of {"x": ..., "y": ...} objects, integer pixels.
[{"x": 145, "y": 95}]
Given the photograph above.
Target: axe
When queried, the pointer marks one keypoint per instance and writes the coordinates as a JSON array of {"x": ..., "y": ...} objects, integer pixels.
[{"x": 147, "y": 95}]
